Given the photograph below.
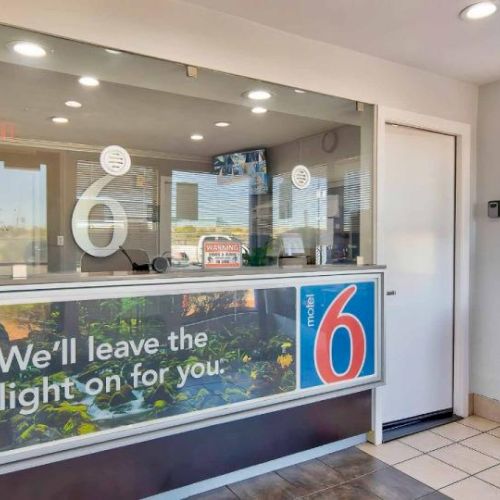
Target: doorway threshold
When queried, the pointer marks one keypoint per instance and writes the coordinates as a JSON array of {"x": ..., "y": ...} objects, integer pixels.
[{"x": 408, "y": 426}]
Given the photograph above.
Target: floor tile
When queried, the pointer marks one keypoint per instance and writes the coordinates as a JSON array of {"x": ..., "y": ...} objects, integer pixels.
[
  {"x": 218, "y": 494},
  {"x": 391, "y": 484},
  {"x": 347, "y": 491},
  {"x": 390, "y": 453},
  {"x": 431, "y": 471},
  {"x": 472, "y": 488},
  {"x": 425, "y": 441},
  {"x": 480, "y": 423},
  {"x": 485, "y": 443},
  {"x": 491, "y": 476},
  {"x": 464, "y": 458},
  {"x": 455, "y": 431},
  {"x": 352, "y": 463},
  {"x": 436, "y": 495},
  {"x": 495, "y": 432},
  {"x": 268, "y": 486},
  {"x": 311, "y": 476}
]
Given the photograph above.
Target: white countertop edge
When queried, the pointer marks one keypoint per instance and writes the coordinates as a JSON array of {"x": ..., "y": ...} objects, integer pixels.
[{"x": 150, "y": 279}]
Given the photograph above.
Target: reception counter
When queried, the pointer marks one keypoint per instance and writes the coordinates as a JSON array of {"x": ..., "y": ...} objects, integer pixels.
[{"x": 153, "y": 372}]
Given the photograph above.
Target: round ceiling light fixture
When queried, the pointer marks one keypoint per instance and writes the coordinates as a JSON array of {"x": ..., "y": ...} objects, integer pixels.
[
  {"x": 88, "y": 81},
  {"x": 197, "y": 137},
  {"x": 60, "y": 120},
  {"x": 112, "y": 51},
  {"x": 478, "y": 10},
  {"x": 299, "y": 91},
  {"x": 73, "y": 104},
  {"x": 222, "y": 124},
  {"x": 259, "y": 110},
  {"x": 28, "y": 49},
  {"x": 258, "y": 95}
]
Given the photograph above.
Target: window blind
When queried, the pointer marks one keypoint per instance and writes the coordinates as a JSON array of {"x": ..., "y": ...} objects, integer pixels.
[
  {"x": 137, "y": 192},
  {"x": 357, "y": 197}
]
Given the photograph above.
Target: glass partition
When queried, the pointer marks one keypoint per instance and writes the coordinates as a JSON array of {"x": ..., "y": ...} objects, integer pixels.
[{"x": 111, "y": 161}]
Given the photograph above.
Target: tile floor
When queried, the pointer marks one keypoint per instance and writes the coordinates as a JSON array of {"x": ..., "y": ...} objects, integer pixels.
[{"x": 460, "y": 460}]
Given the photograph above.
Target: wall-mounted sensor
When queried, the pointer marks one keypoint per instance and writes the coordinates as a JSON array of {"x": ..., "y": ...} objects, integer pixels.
[{"x": 494, "y": 209}]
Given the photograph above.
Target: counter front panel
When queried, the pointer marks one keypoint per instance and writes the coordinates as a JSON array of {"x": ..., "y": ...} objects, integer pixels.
[{"x": 133, "y": 362}]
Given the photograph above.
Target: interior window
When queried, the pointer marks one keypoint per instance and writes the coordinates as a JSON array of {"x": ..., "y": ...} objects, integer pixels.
[{"x": 111, "y": 160}]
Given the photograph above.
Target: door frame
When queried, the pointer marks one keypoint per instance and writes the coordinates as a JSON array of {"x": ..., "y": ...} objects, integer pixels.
[{"x": 463, "y": 222}]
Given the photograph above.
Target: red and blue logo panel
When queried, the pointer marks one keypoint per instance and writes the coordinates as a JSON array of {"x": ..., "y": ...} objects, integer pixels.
[{"x": 337, "y": 333}]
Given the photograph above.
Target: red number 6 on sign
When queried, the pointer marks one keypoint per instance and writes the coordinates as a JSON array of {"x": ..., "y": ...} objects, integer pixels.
[{"x": 334, "y": 319}]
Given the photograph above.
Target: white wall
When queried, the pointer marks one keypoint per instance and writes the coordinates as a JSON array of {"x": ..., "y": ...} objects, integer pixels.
[
  {"x": 485, "y": 332},
  {"x": 187, "y": 33}
]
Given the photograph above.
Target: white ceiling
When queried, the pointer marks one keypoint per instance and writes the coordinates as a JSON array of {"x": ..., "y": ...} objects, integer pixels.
[{"x": 427, "y": 34}]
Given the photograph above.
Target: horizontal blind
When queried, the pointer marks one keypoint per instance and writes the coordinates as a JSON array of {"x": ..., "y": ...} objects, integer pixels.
[
  {"x": 137, "y": 192},
  {"x": 205, "y": 204},
  {"x": 357, "y": 197}
]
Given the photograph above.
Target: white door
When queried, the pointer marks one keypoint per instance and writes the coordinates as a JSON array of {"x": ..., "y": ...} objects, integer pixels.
[{"x": 417, "y": 221}]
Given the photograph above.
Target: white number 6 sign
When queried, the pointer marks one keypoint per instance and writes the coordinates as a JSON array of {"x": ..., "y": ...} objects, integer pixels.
[{"x": 80, "y": 223}]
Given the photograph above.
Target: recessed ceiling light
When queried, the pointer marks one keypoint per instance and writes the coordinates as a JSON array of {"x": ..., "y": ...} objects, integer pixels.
[
  {"x": 259, "y": 110},
  {"x": 299, "y": 91},
  {"x": 222, "y": 124},
  {"x": 73, "y": 104},
  {"x": 197, "y": 137},
  {"x": 478, "y": 10},
  {"x": 29, "y": 49},
  {"x": 258, "y": 95},
  {"x": 89, "y": 81},
  {"x": 112, "y": 51},
  {"x": 59, "y": 119}
]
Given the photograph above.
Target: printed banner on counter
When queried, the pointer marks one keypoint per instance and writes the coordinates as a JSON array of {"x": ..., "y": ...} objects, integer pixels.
[
  {"x": 75, "y": 368},
  {"x": 78, "y": 367},
  {"x": 337, "y": 333}
]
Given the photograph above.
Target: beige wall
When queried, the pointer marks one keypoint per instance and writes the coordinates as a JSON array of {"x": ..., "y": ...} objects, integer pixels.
[
  {"x": 485, "y": 332},
  {"x": 308, "y": 150}
]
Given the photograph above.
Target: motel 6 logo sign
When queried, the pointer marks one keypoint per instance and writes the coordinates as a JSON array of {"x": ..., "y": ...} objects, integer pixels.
[{"x": 337, "y": 333}]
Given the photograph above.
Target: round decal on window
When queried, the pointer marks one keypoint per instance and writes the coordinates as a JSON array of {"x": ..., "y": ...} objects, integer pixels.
[
  {"x": 301, "y": 177},
  {"x": 115, "y": 160}
]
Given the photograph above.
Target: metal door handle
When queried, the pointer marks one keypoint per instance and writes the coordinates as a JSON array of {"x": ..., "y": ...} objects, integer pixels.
[{"x": 391, "y": 292}]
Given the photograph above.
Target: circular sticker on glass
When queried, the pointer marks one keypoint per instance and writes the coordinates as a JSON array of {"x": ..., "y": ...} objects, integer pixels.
[
  {"x": 301, "y": 177},
  {"x": 115, "y": 160}
]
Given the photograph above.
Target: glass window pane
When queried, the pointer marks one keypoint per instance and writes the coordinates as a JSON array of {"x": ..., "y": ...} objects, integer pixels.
[
  {"x": 151, "y": 162},
  {"x": 23, "y": 215}
]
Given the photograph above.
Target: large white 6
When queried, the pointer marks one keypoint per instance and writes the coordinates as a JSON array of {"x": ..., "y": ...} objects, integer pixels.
[{"x": 80, "y": 223}]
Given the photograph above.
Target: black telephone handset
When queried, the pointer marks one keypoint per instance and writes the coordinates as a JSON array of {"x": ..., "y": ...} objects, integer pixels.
[
  {"x": 159, "y": 264},
  {"x": 142, "y": 268}
]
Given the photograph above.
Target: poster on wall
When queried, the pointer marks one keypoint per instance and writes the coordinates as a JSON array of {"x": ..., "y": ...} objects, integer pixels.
[
  {"x": 337, "y": 333},
  {"x": 79, "y": 367}
]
